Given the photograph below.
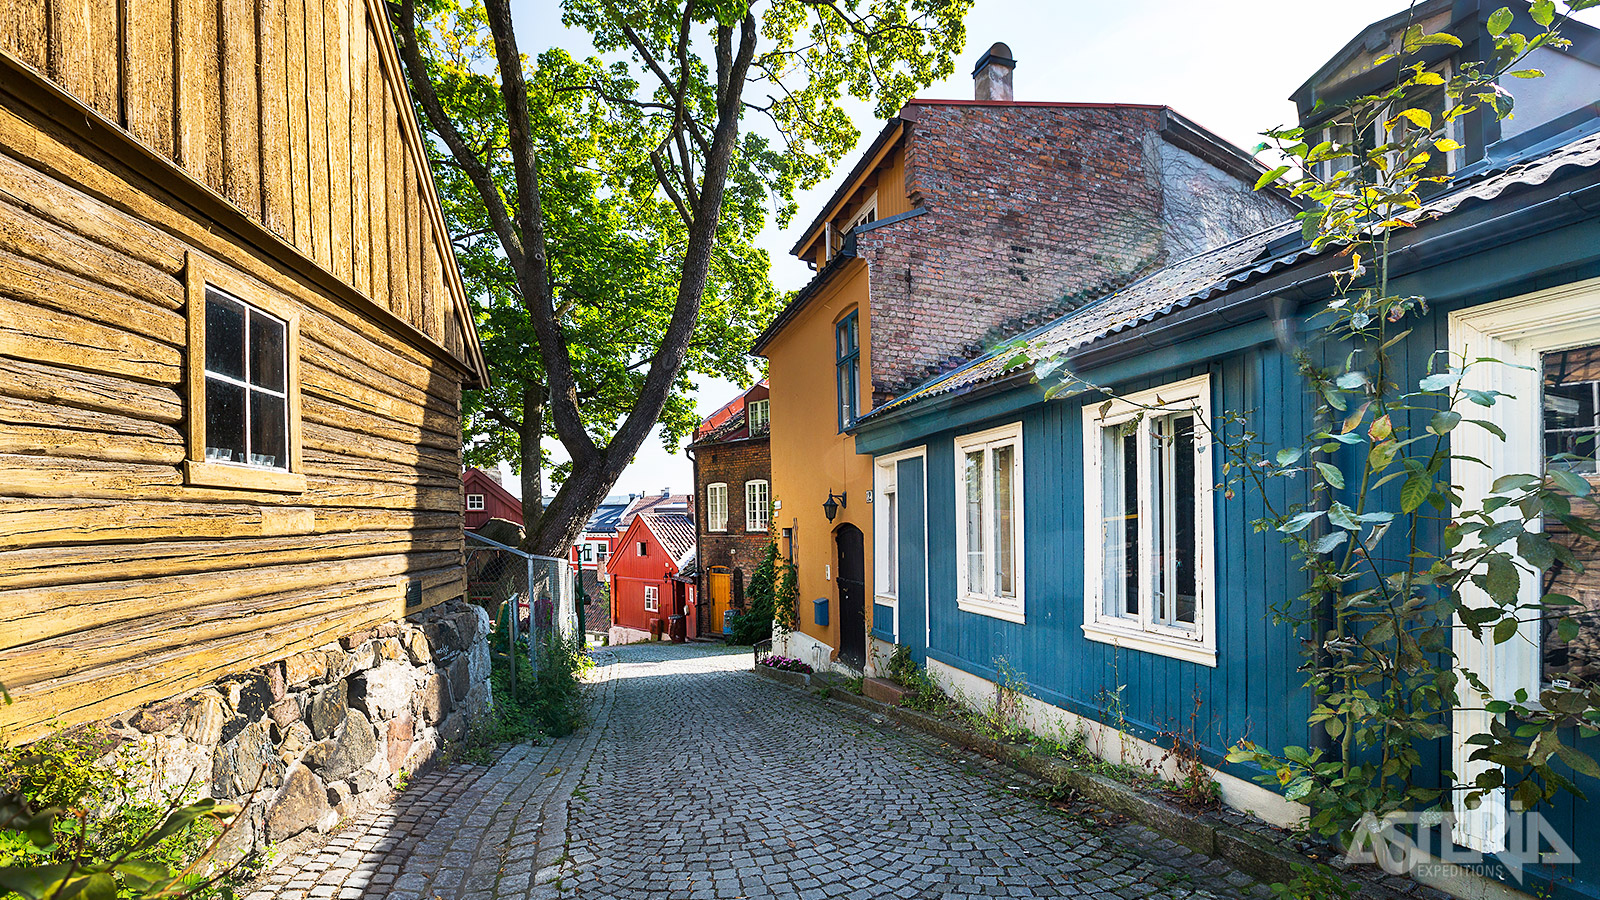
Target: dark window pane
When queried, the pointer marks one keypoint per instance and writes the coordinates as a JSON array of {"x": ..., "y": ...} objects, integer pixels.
[
  {"x": 267, "y": 354},
  {"x": 1184, "y": 488},
  {"x": 1571, "y": 390},
  {"x": 224, "y": 336},
  {"x": 269, "y": 436},
  {"x": 224, "y": 421},
  {"x": 1130, "y": 527}
]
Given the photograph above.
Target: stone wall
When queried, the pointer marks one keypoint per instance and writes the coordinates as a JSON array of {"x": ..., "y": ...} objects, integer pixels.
[{"x": 323, "y": 733}]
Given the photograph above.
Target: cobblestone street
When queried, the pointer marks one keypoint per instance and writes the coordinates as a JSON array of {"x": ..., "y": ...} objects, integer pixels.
[{"x": 697, "y": 779}]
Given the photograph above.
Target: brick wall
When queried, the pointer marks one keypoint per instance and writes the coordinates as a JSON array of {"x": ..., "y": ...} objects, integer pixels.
[
  {"x": 733, "y": 464},
  {"x": 1031, "y": 211}
]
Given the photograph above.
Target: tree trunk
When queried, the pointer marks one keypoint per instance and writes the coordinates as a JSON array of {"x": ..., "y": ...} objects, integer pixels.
[{"x": 532, "y": 462}]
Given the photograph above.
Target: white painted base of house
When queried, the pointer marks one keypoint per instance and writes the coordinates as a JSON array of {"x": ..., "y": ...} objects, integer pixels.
[
  {"x": 878, "y": 653},
  {"x": 622, "y": 634},
  {"x": 804, "y": 647},
  {"x": 1114, "y": 746}
]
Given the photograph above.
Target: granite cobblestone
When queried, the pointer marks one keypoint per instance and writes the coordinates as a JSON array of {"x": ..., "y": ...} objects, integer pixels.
[{"x": 696, "y": 779}]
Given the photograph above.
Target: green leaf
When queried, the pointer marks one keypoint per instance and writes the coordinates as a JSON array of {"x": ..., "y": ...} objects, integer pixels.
[
  {"x": 1298, "y": 523},
  {"x": 1500, "y": 21},
  {"x": 1440, "y": 381},
  {"x": 1572, "y": 483},
  {"x": 1415, "y": 491},
  {"x": 1505, "y": 484},
  {"x": 1444, "y": 422},
  {"x": 1289, "y": 455},
  {"x": 1577, "y": 760},
  {"x": 1330, "y": 542},
  {"x": 1544, "y": 12},
  {"x": 1502, "y": 578},
  {"x": 1332, "y": 474},
  {"x": 1500, "y": 532},
  {"x": 1270, "y": 176},
  {"x": 1505, "y": 630},
  {"x": 1536, "y": 549},
  {"x": 1527, "y": 73},
  {"x": 1343, "y": 517}
]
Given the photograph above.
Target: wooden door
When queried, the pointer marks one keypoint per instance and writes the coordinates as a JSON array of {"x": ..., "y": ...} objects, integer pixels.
[
  {"x": 720, "y": 582},
  {"x": 852, "y": 583}
]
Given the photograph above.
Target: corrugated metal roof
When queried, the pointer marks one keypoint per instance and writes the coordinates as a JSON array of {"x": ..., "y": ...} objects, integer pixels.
[{"x": 1201, "y": 277}]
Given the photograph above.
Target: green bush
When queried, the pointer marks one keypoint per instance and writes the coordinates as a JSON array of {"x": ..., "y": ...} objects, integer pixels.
[
  {"x": 527, "y": 707},
  {"x": 756, "y": 622},
  {"x": 77, "y": 819}
]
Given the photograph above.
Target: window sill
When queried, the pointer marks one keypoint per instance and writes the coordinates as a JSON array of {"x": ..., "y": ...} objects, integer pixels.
[
  {"x": 986, "y": 607},
  {"x": 1188, "y": 651},
  {"x": 244, "y": 478}
]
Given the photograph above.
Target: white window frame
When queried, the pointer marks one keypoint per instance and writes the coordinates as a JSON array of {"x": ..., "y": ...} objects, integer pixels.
[
  {"x": 1516, "y": 332},
  {"x": 480, "y": 503},
  {"x": 757, "y": 509},
  {"x": 1144, "y": 632},
  {"x": 1010, "y": 609},
  {"x": 867, "y": 214},
  {"x": 643, "y": 548},
  {"x": 652, "y": 598},
  {"x": 717, "y": 516},
  {"x": 765, "y": 407}
]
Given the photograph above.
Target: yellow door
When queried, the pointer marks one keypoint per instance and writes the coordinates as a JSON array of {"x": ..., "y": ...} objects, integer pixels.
[{"x": 721, "y": 584}]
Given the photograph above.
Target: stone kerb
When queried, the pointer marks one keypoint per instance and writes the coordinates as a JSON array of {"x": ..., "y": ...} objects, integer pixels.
[{"x": 311, "y": 739}]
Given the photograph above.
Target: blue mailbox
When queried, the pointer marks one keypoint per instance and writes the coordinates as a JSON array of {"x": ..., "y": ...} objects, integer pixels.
[{"x": 819, "y": 610}]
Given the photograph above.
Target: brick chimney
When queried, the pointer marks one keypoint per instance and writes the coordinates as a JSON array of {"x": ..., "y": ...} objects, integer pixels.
[{"x": 991, "y": 78}]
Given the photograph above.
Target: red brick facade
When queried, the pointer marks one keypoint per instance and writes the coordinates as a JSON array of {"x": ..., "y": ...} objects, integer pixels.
[
  {"x": 727, "y": 451},
  {"x": 1029, "y": 210},
  {"x": 734, "y": 464}
]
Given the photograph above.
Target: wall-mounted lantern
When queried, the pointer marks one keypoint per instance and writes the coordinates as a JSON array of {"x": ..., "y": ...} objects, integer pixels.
[{"x": 833, "y": 504}]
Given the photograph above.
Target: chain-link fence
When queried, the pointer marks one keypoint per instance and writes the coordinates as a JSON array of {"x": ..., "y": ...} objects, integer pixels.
[{"x": 533, "y": 598}]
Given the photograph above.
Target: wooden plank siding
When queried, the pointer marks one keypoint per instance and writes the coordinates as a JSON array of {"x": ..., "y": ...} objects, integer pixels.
[
  {"x": 275, "y": 143},
  {"x": 1253, "y": 692}
]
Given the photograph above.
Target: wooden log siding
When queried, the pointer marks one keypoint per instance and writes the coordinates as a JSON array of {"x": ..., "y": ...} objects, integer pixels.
[
  {"x": 276, "y": 147},
  {"x": 292, "y": 110}
]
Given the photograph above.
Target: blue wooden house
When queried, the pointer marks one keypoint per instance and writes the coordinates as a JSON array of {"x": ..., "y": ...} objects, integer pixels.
[{"x": 1080, "y": 551}]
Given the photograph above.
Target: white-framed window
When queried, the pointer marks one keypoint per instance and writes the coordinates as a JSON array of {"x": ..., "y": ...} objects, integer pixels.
[
  {"x": 652, "y": 598},
  {"x": 1148, "y": 560},
  {"x": 989, "y": 558},
  {"x": 757, "y": 506},
  {"x": 644, "y": 549},
  {"x": 760, "y": 415},
  {"x": 474, "y": 502},
  {"x": 886, "y": 515},
  {"x": 601, "y": 551},
  {"x": 717, "y": 507},
  {"x": 1542, "y": 343},
  {"x": 585, "y": 553}
]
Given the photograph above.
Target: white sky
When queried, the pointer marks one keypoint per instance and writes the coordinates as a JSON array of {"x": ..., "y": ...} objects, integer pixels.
[{"x": 1228, "y": 65}]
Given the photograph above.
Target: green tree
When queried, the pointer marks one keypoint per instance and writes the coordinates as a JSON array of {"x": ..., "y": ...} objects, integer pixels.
[{"x": 605, "y": 209}]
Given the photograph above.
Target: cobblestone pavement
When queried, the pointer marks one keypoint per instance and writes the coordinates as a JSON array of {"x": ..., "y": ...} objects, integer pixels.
[{"x": 697, "y": 779}]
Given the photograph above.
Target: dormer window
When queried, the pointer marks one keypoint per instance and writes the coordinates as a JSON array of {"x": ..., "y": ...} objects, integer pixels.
[
  {"x": 760, "y": 416},
  {"x": 867, "y": 212},
  {"x": 1430, "y": 98}
]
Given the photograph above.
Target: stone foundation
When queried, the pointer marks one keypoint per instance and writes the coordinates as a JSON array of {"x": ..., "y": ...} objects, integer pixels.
[{"x": 324, "y": 732}]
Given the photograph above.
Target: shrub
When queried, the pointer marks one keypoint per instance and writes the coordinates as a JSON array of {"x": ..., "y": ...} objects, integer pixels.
[
  {"x": 756, "y": 622},
  {"x": 76, "y": 819}
]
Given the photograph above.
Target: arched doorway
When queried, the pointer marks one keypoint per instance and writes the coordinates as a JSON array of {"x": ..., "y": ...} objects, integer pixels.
[{"x": 852, "y": 582}]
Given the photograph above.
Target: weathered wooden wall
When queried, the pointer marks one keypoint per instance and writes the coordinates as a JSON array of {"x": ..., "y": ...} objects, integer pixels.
[
  {"x": 293, "y": 110},
  {"x": 119, "y": 583}
]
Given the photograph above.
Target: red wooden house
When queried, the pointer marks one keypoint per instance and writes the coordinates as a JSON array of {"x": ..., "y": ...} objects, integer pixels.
[
  {"x": 486, "y": 499},
  {"x": 651, "y": 574}
]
